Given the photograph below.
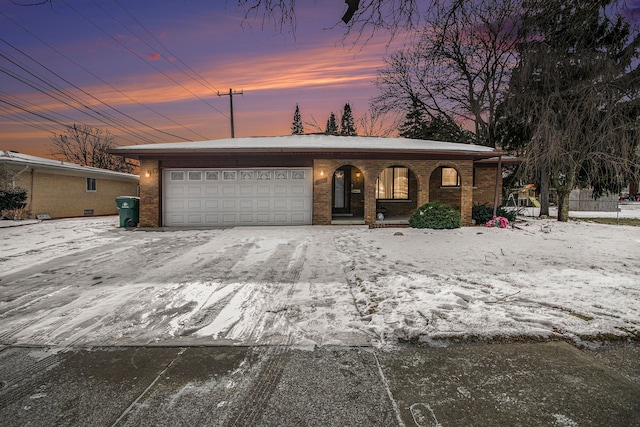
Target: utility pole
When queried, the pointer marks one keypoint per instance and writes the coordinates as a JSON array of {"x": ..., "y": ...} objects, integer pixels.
[{"x": 231, "y": 93}]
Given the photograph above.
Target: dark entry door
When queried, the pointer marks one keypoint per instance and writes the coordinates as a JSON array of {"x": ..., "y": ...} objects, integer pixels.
[{"x": 342, "y": 191}]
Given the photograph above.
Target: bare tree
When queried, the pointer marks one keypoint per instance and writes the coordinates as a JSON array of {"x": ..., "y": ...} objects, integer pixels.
[
  {"x": 375, "y": 123},
  {"x": 459, "y": 69},
  {"x": 87, "y": 146}
]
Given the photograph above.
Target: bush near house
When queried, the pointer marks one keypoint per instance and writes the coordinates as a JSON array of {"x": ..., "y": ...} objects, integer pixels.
[
  {"x": 483, "y": 213},
  {"x": 12, "y": 202},
  {"x": 435, "y": 215}
]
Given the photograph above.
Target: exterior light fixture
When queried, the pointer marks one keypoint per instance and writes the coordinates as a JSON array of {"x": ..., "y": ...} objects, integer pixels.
[{"x": 147, "y": 174}]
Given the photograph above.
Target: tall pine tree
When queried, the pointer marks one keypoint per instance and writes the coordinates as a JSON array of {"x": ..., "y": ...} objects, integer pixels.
[
  {"x": 332, "y": 126},
  {"x": 347, "y": 125},
  {"x": 297, "y": 128}
]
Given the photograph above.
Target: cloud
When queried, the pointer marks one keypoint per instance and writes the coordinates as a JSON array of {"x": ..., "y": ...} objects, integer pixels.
[{"x": 153, "y": 56}]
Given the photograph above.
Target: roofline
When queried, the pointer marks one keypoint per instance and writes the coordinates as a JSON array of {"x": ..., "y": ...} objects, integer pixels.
[
  {"x": 136, "y": 154},
  {"x": 71, "y": 168}
]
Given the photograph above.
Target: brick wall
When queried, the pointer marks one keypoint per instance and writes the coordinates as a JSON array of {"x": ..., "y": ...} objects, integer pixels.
[
  {"x": 150, "y": 200},
  {"x": 422, "y": 170},
  {"x": 485, "y": 184}
]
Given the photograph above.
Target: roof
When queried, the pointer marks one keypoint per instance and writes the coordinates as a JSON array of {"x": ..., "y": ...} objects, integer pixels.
[
  {"x": 13, "y": 157},
  {"x": 308, "y": 144}
]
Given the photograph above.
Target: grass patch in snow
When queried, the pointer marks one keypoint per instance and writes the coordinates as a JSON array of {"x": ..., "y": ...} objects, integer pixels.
[{"x": 634, "y": 222}]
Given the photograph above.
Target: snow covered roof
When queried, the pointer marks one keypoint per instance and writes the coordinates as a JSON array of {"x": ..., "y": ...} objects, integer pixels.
[
  {"x": 310, "y": 143},
  {"x": 13, "y": 157}
]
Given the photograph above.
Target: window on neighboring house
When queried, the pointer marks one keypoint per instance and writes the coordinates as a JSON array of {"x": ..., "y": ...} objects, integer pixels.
[
  {"x": 393, "y": 184},
  {"x": 91, "y": 184},
  {"x": 450, "y": 177}
]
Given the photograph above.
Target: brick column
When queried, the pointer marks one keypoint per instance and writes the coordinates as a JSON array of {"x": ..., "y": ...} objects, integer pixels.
[
  {"x": 322, "y": 175},
  {"x": 466, "y": 191},
  {"x": 150, "y": 177}
]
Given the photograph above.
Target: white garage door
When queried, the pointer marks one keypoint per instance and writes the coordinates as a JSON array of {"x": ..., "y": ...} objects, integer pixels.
[{"x": 226, "y": 197}]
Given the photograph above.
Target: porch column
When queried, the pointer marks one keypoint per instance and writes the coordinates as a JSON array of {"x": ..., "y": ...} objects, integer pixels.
[
  {"x": 370, "y": 205},
  {"x": 466, "y": 192},
  {"x": 322, "y": 181}
]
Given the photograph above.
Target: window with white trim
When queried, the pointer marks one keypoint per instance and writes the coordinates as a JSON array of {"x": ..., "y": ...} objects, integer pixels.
[
  {"x": 393, "y": 184},
  {"x": 91, "y": 185}
]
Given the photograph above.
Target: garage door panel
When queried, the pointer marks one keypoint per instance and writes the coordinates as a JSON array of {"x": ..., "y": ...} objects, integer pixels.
[
  {"x": 194, "y": 191},
  {"x": 298, "y": 204},
  {"x": 246, "y": 204},
  {"x": 227, "y": 197},
  {"x": 281, "y": 189},
  {"x": 246, "y": 190},
  {"x": 280, "y": 204},
  {"x": 298, "y": 218},
  {"x": 176, "y": 191},
  {"x": 194, "y": 204},
  {"x": 263, "y": 190}
]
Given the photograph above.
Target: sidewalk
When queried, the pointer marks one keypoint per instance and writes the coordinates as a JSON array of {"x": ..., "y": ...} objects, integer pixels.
[{"x": 550, "y": 384}]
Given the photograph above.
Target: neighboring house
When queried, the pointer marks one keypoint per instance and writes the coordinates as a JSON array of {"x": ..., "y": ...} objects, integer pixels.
[
  {"x": 307, "y": 179},
  {"x": 60, "y": 189}
]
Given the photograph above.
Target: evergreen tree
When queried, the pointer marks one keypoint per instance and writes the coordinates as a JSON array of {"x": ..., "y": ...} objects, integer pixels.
[
  {"x": 438, "y": 128},
  {"x": 297, "y": 128},
  {"x": 574, "y": 96},
  {"x": 332, "y": 126},
  {"x": 414, "y": 123},
  {"x": 347, "y": 126}
]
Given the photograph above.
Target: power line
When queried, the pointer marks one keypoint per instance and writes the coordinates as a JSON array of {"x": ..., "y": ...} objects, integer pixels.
[
  {"x": 139, "y": 57},
  {"x": 200, "y": 78},
  {"x": 83, "y": 107},
  {"x": 105, "y": 82}
]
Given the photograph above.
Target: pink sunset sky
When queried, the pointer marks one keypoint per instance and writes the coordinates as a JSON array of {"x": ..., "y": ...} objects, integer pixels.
[
  {"x": 150, "y": 71},
  {"x": 155, "y": 69}
]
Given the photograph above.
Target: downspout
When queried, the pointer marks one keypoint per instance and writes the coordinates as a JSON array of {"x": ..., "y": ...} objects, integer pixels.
[
  {"x": 13, "y": 179},
  {"x": 497, "y": 189}
]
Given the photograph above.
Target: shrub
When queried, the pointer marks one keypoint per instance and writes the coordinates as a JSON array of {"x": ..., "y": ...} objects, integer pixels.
[
  {"x": 483, "y": 213},
  {"x": 12, "y": 201},
  {"x": 435, "y": 215}
]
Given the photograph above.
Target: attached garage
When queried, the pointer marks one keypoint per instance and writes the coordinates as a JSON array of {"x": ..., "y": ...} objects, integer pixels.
[{"x": 228, "y": 197}]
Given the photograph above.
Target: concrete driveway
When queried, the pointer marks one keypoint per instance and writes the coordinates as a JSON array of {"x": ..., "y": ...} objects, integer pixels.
[{"x": 301, "y": 327}]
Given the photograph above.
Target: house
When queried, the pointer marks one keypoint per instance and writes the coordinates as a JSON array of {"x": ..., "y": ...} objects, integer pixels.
[
  {"x": 61, "y": 189},
  {"x": 307, "y": 179}
]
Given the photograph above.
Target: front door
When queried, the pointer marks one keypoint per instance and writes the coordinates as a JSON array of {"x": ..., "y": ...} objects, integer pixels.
[{"x": 342, "y": 191}]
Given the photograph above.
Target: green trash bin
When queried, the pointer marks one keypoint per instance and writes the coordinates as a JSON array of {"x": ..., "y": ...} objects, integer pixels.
[{"x": 129, "y": 210}]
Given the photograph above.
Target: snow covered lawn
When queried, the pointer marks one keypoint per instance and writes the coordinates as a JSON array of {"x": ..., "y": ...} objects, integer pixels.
[{"x": 86, "y": 282}]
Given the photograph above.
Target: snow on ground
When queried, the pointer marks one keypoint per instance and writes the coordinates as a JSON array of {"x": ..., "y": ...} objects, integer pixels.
[{"x": 85, "y": 281}]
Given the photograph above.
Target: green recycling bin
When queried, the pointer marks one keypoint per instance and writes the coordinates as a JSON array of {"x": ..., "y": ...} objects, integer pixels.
[{"x": 129, "y": 210}]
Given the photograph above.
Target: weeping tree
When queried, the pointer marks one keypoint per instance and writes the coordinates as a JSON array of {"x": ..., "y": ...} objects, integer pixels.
[
  {"x": 575, "y": 93},
  {"x": 459, "y": 69}
]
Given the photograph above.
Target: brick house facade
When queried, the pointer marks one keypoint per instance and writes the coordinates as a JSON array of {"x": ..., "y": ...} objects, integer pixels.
[
  {"x": 358, "y": 161},
  {"x": 63, "y": 190}
]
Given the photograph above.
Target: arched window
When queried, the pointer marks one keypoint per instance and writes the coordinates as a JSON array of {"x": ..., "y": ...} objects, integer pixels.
[{"x": 393, "y": 184}]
